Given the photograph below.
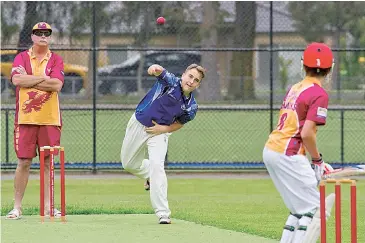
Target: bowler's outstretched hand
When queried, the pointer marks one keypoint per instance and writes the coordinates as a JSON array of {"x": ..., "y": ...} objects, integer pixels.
[{"x": 155, "y": 70}]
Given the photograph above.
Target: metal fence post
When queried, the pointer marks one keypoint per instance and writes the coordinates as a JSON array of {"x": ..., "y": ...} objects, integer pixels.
[
  {"x": 271, "y": 68},
  {"x": 7, "y": 135},
  {"x": 94, "y": 86},
  {"x": 342, "y": 137}
]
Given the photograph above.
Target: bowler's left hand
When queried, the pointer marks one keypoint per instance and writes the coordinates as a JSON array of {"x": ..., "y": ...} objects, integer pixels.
[{"x": 156, "y": 129}]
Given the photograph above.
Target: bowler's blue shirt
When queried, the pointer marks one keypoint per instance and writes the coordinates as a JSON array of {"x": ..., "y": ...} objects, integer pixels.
[{"x": 165, "y": 103}]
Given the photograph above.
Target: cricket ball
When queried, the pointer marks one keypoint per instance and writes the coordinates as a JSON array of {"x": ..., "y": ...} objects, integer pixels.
[{"x": 160, "y": 20}]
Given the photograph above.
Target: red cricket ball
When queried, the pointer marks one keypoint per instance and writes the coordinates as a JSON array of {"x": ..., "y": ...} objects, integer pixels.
[{"x": 160, "y": 20}]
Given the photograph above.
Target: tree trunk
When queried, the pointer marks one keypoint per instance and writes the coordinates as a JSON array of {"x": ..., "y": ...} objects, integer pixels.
[
  {"x": 209, "y": 89},
  {"x": 25, "y": 40},
  {"x": 242, "y": 81}
]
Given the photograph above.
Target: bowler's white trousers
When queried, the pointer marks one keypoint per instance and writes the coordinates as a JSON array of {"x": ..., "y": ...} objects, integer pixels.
[
  {"x": 134, "y": 150},
  {"x": 295, "y": 180}
]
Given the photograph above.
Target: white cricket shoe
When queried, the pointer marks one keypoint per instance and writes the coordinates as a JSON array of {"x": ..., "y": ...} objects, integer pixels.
[{"x": 165, "y": 220}]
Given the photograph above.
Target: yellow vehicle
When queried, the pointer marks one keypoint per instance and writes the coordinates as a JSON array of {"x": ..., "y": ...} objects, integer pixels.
[{"x": 75, "y": 75}]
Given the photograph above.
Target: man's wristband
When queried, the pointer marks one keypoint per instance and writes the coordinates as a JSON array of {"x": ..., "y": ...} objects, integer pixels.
[{"x": 318, "y": 160}]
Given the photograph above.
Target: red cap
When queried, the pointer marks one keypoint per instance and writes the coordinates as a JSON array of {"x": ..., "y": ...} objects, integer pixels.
[{"x": 318, "y": 55}]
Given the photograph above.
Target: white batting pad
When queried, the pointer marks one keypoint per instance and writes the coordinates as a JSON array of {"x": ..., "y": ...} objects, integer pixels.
[{"x": 314, "y": 228}]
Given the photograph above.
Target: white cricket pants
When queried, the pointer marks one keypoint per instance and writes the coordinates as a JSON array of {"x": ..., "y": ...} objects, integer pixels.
[
  {"x": 295, "y": 180},
  {"x": 134, "y": 160}
]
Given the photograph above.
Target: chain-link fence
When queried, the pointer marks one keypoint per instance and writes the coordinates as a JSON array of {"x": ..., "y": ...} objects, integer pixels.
[{"x": 251, "y": 51}]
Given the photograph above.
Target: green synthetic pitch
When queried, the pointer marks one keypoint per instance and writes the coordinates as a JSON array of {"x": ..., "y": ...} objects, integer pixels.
[
  {"x": 118, "y": 228},
  {"x": 214, "y": 136},
  {"x": 251, "y": 206}
]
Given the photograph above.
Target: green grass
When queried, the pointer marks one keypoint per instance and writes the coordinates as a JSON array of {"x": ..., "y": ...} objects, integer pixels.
[
  {"x": 244, "y": 205},
  {"x": 214, "y": 136}
]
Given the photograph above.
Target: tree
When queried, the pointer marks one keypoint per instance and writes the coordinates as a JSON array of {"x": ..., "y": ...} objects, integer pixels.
[
  {"x": 178, "y": 15},
  {"x": 149, "y": 10},
  {"x": 316, "y": 20},
  {"x": 81, "y": 22},
  {"x": 54, "y": 13},
  {"x": 29, "y": 21},
  {"x": 61, "y": 15},
  {"x": 242, "y": 83},
  {"x": 353, "y": 68},
  {"x": 9, "y": 25},
  {"x": 139, "y": 18},
  {"x": 210, "y": 90}
]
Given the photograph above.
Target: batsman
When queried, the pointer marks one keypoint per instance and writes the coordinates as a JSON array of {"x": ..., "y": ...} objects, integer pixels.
[{"x": 303, "y": 109}]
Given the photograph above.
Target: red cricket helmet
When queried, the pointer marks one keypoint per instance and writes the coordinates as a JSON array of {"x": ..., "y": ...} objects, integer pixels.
[{"x": 318, "y": 55}]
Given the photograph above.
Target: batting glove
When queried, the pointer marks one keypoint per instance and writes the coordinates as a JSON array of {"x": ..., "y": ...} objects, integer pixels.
[
  {"x": 319, "y": 168},
  {"x": 327, "y": 171}
]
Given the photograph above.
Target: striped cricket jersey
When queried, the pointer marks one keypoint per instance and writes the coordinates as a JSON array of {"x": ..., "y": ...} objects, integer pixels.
[
  {"x": 35, "y": 106},
  {"x": 306, "y": 100},
  {"x": 165, "y": 103}
]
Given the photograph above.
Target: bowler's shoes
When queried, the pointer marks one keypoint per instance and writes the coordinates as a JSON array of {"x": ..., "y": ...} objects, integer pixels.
[
  {"x": 147, "y": 185},
  {"x": 165, "y": 220}
]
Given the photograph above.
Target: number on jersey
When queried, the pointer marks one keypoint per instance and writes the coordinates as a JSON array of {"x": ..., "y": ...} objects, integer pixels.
[{"x": 282, "y": 120}]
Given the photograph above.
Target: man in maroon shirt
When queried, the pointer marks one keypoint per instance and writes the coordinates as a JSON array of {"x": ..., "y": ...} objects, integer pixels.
[
  {"x": 38, "y": 76},
  {"x": 303, "y": 109}
]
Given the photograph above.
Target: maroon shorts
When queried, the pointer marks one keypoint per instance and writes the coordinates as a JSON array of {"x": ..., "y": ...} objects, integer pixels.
[{"x": 29, "y": 138}]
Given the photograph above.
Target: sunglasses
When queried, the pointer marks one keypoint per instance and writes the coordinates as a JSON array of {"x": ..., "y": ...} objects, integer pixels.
[{"x": 40, "y": 33}]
